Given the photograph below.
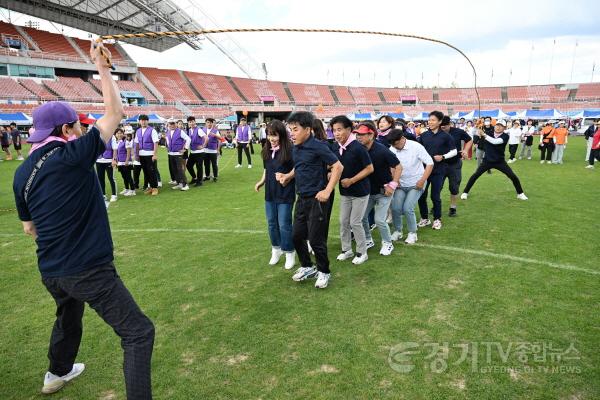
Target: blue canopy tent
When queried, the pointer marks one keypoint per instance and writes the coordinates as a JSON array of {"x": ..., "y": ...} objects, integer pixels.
[
  {"x": 152, "y": 119},
  {"x": 360, "y": 116},
  {"x": 95, "y": 116},
  {"x": 586, "y": 114},
  {"x": 18, "y": 118},
  {"x": 497, "y": 114},
  {"x": 231, "y": 118},
  {"x": 459, "y": 115},
  {"x": 541, "y": 114},
  {"x": 422, "y": 116}
]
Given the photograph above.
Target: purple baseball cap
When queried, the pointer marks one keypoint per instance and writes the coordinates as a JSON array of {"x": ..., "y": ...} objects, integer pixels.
[{"x": 48, "y": 116}]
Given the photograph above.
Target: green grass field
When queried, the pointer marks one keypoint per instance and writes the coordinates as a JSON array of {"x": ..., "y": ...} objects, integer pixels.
[{"x": 519, "y": 277}]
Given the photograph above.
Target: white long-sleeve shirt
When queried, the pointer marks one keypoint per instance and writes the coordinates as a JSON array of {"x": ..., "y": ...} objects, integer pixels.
[
  {"x": 412, "y": 157},
  {"x": 184, "y": 136},
  {"x": 514, "y": 135}
]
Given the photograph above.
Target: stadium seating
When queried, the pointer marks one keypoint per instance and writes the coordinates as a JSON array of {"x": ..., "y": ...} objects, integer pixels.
[
  {"x": 213, "y": 88},
  {"x": 37, "y": 89},
  {"x": 172, "y": 86},
  {"x": 253, "y": 89},
  {"x": 73, "y": 89},
  {"x": 129, "y": 86},
  {"x": 588, "y": 91},
  {"x": 10, "y": 89},
  {"x": 53, "y": 43},
  {"x": 310, "y": 94},
  {"x": 365, "y": 95},
  {"x": 343, "y": 95}
]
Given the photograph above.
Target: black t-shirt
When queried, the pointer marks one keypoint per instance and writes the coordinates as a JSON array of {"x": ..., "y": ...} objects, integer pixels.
[
  {"x": 354, "y": 159},
  {"x": 383, "y": 160},
  {"x": 273, "y": 190},
  {"x": 311, "y": 159},
  {"x": 459, "y": 136},
  {"x": 495, "y": 152},
  {"x": 437, "y": 144},
  {"x": 66, "y": 206}
]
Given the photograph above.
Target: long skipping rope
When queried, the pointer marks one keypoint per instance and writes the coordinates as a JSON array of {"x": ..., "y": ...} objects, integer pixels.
[{"x": 157, "y": 35}]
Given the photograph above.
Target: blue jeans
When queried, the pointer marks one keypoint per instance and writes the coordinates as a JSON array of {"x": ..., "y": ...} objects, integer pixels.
[
  {"x": 381, "y": 203},
  {"x": 405, "y": 199},
  {"x": 279, "y": 220}
]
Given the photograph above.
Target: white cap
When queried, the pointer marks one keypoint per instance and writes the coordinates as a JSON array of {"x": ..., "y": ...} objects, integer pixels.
[
  {"x": 561, "y": 122},
  {"x": 128, "y": 129},
  {"x": 501, "y": 122},
  {"x": 171, "y": 121}
]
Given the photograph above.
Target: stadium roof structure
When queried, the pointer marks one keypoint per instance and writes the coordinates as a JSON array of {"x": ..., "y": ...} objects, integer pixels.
[{"x": 105, "y": 17}]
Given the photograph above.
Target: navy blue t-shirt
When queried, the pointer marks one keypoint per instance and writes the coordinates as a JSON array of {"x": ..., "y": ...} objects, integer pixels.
[
  {"x": 354, "y": 159},
  {"x": 459, "y": 136},
  {"x": 66, "y": 206},
  {"x": 383, "y": 160},
  {"x": 437, "y": 144},
  {"x": 273, "y": 190},
  {"x": 311, "y": 159}
]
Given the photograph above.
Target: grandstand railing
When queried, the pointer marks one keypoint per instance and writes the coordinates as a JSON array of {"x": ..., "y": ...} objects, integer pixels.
[{"x": 57, "y": 57}]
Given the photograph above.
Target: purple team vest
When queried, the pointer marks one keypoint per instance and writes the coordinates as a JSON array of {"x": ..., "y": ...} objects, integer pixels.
[
  {"x": 329, "y": 133},
  {"x": 197, "y": 141},
  {"x": 144, "y": 139},
  {"x": 108, "y": 151},
  {"x": 242, "y": 134},
  {"x": 121, "y": 152},
  {"x": 175, "y": 142},
  {"x": 213, "y": 142}
]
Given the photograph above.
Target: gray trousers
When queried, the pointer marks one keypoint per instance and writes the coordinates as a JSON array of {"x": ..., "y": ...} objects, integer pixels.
[
  {"x": 352, "y": 210},
  {"x": 557, "y": 155},
  {"x": 523, "y": 149},
  {"x": 479, "y": 153}
]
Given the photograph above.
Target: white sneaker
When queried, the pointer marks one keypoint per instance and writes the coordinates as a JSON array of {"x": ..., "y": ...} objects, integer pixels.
[
  {"x": 370, "y": 243},
  {"x": 20, "y": 158},
  {"x": 239, "y": 166},
  {"x": 132, "y": 192},
  {"x": 345, "y": 255},
  {"x": 159, "y": 184},
  {"x": 322, "y": 280},
  {"x": 521, "y": 196},
  {"x": 397, "y": 235},
  {"x": 360, "y": 258},
  {"x": 177, "y": 187},
  {"x": 423, "y": 223},
  {"x": 276, "y": 254},
  {"x": 541, "y": 162},
  {"x": 437, "y": 225},
  {"x": 185, "y": 188},
  {"x": 303, "y": 273},
  {"x": 411, "y": 238},
  {"x": 464, "y": 196},
  {"x": 590, "y": 167},
  {"x": 53, "y": 383},
  {"x": 250, "y": 166},
  {"x": 290, "y": 260},
  {"x": 124, "y": 191},
  {"x": 172, "y": 183},
  {"x": 510, "y": 161},
  {"x": 529, "y": 158},
  {"x": 113, "y": 198},
  {"x": 386, "y": 248}
]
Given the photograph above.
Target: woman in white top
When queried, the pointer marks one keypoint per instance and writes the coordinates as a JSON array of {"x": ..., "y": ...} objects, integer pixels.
[
  {"x": 514, "y": 138},
  {"x": 529, "y": 131},
  {"x": 412, "y": 155}
]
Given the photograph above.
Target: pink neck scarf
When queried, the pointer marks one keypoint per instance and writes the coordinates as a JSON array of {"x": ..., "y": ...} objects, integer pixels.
[
  {"x": 344, "y": 146},
  {"x": 44, "y": 142},
  {"x": 273, "y": 151},
  {"x": 384, "y": 133}
]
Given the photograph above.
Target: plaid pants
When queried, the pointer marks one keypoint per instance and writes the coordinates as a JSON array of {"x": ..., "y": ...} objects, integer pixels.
[{"x": 104, "y": 291}]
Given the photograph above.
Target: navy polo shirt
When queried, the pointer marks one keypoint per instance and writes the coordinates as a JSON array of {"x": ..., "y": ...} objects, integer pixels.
[
  {"x": 311, "y": 159},
  {"x": 383, "y": 159},
  {"x": 459, "y": 136},
  {"x": 66, "y": 206},
  {"x": 495, "y": 152},
  {"x": 437, "y": 144},
  {"x": 273, "y": 190},
  {"x": 354, "y": 159}
]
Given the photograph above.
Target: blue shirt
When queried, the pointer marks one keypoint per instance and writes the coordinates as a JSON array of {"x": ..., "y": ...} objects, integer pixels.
[
  {"x": 311, "y": 159},
  {"x": 354, "y": 159},
  {"x": 383, "y": 160},
  {"x": 273, "y": 190},
  {"x": 66, "y": 206},
  {"x": 437, "y": 144}
]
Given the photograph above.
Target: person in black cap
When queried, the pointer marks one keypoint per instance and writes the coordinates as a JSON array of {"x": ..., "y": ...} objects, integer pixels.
[
  {"x": 60, "y": 204},
  {"x": 495, "y": 146}
]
